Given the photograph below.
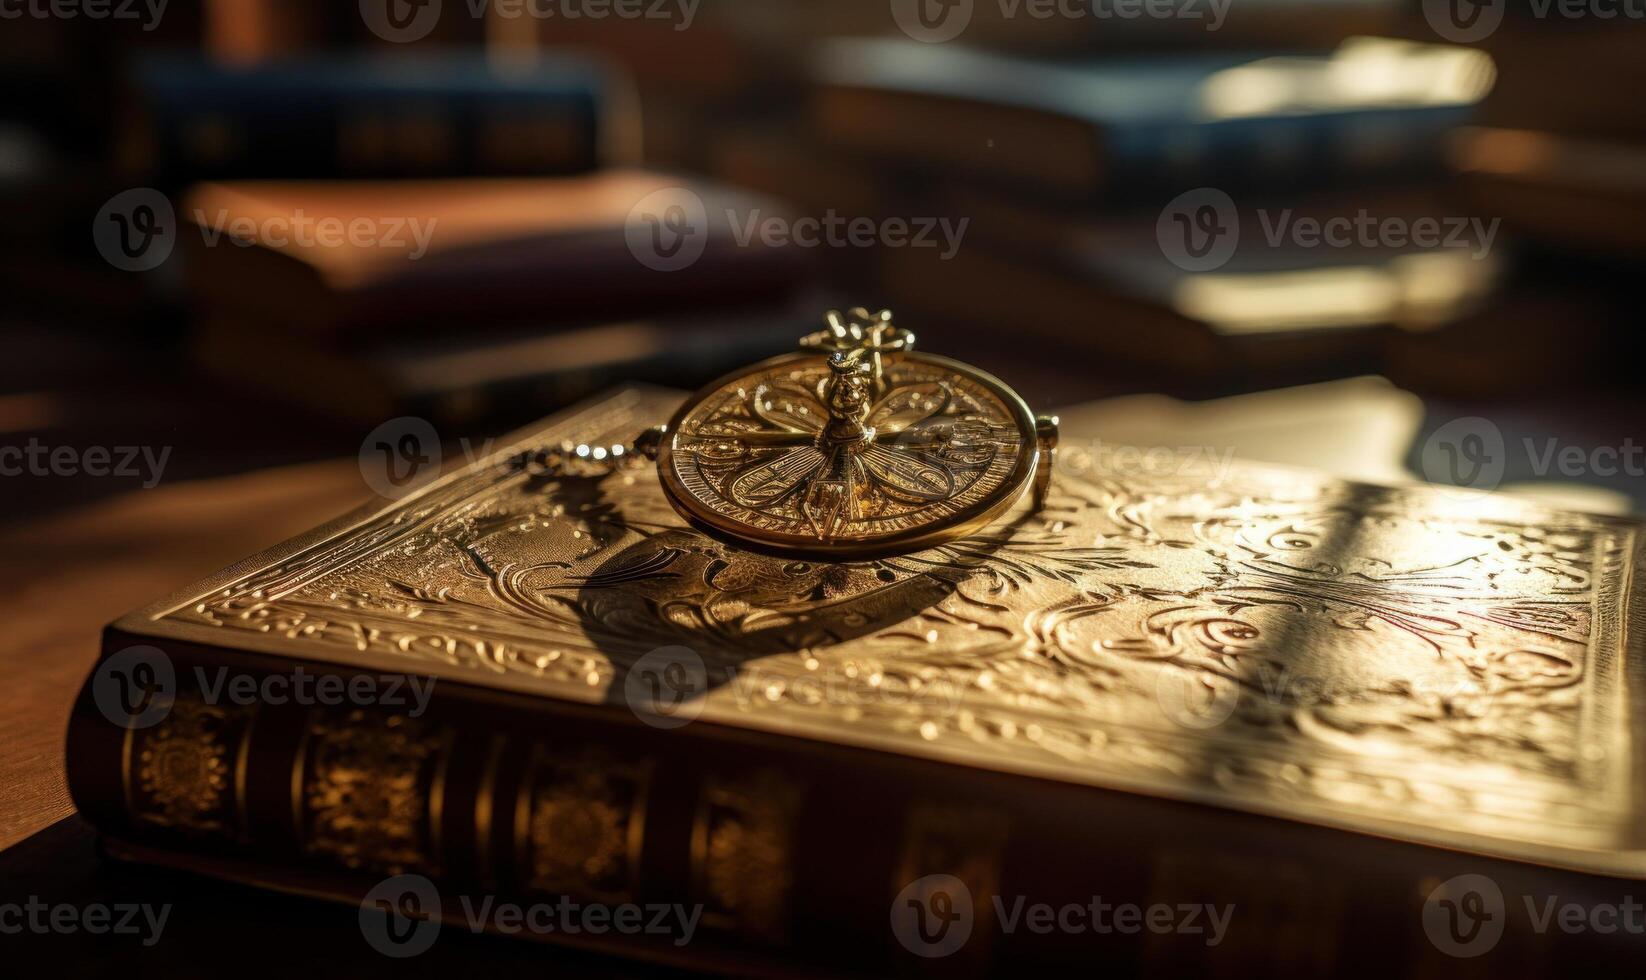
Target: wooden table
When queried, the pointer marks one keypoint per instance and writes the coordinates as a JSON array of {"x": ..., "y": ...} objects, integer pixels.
[{"x": 69, "y": 574}]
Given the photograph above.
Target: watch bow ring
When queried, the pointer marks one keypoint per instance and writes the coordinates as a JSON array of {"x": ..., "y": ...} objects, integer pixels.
[{"x": 853, "y": 447}]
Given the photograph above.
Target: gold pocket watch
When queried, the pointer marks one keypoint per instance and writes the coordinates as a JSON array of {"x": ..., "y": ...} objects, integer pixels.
[{"x": 854, "y": 447}]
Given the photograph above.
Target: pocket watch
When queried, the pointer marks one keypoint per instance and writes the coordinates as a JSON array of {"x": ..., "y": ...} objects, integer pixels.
[{"x": 853, "y": 447}]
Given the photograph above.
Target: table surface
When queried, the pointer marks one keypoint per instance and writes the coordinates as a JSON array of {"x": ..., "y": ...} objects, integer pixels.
[{"x": 74, "y": 571}]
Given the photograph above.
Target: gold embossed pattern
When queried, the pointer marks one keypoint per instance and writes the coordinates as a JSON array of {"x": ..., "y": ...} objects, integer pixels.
[
  {"x": 580, "y": 822},
  {"x": 743, "y": 848},
  {"x": 371, "y": 789},
  {"x": 184, "y": 776}
]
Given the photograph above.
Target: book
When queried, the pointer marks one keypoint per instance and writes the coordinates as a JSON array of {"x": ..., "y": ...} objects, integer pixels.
[
  {"x": 437, "y": 258},
  {"x": 1318, "y": 701},
  {"x": 1540, "y": 62},
  {"x": 457, "y": 114},
  {"x": 484, "y": 376},
  {"x": 246, "y": 31},
  {"x": 1552, "y": 329},
  {"x": 1276, "y": 308},
  {"x": 1086, "y": 129},
  {"x": 1575, "y": 192},
  {"x": 679, "y": 47},
  {"x": 792, "y": 25},
  {"x": 785, "y": 163},
  {"x": 818, "y": 182}
]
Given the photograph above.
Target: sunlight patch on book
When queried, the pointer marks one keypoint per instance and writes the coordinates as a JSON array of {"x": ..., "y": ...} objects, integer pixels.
[{"x": 1364, "y": 73}]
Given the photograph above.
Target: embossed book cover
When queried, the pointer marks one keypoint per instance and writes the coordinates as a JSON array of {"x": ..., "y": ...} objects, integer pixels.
[{"x": 1308, "y": 698}]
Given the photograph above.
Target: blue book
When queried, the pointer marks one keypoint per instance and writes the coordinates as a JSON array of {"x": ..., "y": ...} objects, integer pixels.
[
  {"x": 1098, "y": 127},
  {"x": 443, "y": 115}
]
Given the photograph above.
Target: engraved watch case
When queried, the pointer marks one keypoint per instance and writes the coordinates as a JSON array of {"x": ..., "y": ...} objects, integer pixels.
[{"x": 853, "y": 448}]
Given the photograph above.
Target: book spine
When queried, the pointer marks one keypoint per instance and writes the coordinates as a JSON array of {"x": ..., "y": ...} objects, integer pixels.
[
  {"x": 201, "y": 126},
  {"x": 775, "y": 849},
  {"x": 1270, "y": 152}
]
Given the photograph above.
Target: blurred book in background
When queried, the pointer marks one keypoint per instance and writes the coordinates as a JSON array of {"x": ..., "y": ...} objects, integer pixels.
[
  {"x": 433, "y": 257},
  {"x": 246, "y": 31},
  {"x": 1021, "y": 25},
  {"x": 818, "y": 182},
  {"x": 693, "y": 74},
  {"x": 1560, "y": 149},
  {"x": 1549, "y": 328},
  {"x": 1559, "y": 154},
  {"x": 1101, "y": 287},
  {"x": 1578, "y": 192},
  {"x": 1567, "y": 76},
  {"x": 1057, "y": 134},
  {"x": 435, "y": 298},
  {"x": 1095, "y": 129},
  {"x": 500, "y": 376},
  {"x": 445, "y": 115}
]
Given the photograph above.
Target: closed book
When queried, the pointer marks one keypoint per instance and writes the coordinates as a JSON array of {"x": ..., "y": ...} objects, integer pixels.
[
  {"x": 485, "y": 376},
  {"x": 1283, "y": 288},
  {"x": 352, "y": 260},
  {"x": 1577, "y": 192},
  {"x": 457, "y": 114},
  {"x": 1297, "y": 709},
  {"x": 789, "y": 26},
  {"x": 1543, "y": 60},
  {"x": 1102, "y": 127}
]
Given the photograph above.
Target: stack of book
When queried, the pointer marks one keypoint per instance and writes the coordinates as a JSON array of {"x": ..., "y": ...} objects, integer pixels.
[
  {"x": 452, "y": 236},
  {"x": 1073, "y": 176},
  {"x": 1561, "y": 149},
  {"x": 1557, "y": 155},
  {"x": 689, "y": 71},
  {"x": 459, "y": 299}
]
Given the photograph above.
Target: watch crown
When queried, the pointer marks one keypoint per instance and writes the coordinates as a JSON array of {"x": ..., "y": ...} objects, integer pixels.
[
  {"x": 873, "y": 334},
  {"x": 860, "y": 329}
]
